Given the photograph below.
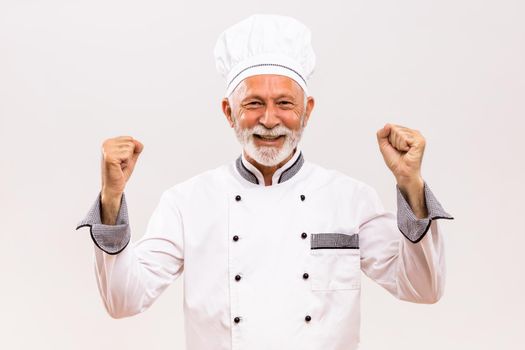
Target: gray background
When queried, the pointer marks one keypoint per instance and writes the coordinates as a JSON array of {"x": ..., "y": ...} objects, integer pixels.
[{"x": 73, "y": 73}]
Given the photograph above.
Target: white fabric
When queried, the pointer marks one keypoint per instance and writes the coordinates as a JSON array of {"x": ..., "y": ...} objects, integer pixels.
[
  {"x": 192, "y": 228},
  {"x": 265, "y": 44}
]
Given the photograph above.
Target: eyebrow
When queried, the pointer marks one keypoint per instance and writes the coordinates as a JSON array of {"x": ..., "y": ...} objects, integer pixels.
[{"x": 258, "y": 97}]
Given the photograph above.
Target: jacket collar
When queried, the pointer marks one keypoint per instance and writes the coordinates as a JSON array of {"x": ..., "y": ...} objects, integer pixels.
[{"x": 250, "y": 173}]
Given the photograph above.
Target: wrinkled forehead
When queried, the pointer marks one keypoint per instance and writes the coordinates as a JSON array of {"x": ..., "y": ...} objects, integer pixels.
[{"x": 268, "y": 86}]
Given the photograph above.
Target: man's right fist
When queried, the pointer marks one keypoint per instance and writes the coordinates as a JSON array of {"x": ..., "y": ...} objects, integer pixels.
[{"x": 119, "y": 156}]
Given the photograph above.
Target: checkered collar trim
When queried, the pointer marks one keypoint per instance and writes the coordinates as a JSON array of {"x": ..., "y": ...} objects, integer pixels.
[{"x": 250, "y": 173}]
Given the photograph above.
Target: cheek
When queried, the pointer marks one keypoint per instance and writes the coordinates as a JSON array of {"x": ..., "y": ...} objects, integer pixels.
[
  {"x": 247, "y": 119},
  {"x": 292, "y": 121}
]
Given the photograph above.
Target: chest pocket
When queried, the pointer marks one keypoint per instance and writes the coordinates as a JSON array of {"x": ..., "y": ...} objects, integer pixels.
[{"x": 335, "y": 261}]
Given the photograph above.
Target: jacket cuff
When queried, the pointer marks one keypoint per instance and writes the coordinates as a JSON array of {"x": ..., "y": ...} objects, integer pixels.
[
  {"x": 112, "y": 239},
  {"x": 411, "y": 227}
]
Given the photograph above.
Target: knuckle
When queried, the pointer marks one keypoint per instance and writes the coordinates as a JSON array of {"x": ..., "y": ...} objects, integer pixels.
[
  {"x": 122, "y": 153},
  {"x": 125, "y": 146},
  {"x": 125, "y": 138}
]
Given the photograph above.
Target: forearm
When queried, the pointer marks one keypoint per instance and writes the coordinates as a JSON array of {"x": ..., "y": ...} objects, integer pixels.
[
  {"x": 414, "y": 192},
  {"x": 129, "y": 282},
  {"x": 131, "y": 277},
  {"x": 421, "y": 269},
  {"x": 110, "y": 205},
  {"x": 119, "y": 283},
  {"x": 117, "y": 270}
]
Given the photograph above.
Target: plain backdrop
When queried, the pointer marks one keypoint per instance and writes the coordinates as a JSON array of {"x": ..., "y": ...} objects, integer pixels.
[{"x": 73, "y": 73}]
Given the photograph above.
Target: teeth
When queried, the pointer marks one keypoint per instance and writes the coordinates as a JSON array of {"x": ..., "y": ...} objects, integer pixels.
[{"x": 269, "y": 137}]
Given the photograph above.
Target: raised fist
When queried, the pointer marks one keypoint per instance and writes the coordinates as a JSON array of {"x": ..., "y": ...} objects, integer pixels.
[
  {"x": 119, "y": 156},
  {"x": 402, "y": 149}
]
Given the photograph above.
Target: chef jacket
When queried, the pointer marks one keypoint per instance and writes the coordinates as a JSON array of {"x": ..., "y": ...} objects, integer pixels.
[{"x": 270, "y": 267}]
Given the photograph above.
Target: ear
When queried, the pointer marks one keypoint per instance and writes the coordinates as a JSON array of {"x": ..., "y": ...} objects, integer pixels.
[
  {"x": 310, "y": 103},
  {"x": 227, "y": 110}
]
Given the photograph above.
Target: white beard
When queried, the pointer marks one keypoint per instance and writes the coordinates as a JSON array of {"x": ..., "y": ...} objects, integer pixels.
[{"x": 269, "y": 155}]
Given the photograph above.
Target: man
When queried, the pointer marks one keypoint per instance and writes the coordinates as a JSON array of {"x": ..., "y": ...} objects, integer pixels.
[{"x": 272, "y": 245}]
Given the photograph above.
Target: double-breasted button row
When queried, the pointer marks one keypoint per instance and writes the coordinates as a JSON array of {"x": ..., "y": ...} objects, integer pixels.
[
  {"x": 307, "y": 318},
  {"x": 238, "y": 277}
]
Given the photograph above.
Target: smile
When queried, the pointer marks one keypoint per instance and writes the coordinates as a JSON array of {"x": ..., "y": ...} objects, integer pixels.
[{"x": 268, "y": 138}]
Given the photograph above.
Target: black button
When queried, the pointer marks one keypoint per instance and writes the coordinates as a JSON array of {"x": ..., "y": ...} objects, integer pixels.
[
  {"x": 238, "y": 277},
  {"x": 303, "y": 235},
  {"x": 303, "y": 197},
  {"x": 305, "y": 275},
  {"x": 237, "y": 319},
  {"x": 237, "y": 198},
  {"x": 307, "y": 318},
  {"x": 235, "y": 238}
]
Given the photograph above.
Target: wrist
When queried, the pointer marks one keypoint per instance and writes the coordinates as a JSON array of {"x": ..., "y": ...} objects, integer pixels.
[
  {"x": 414, "y": 192},
  {"x": 110, "y": 206},
  {"x": 410, "y": 184},
  {"x": 110, "y": 195}
]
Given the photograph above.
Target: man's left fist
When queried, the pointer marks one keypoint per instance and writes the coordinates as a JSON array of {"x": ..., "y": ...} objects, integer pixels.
[{"x": 402, "y": 149}]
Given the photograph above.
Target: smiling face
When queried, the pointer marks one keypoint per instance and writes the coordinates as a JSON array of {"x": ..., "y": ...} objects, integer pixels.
[{"x": 268, "y": 113}]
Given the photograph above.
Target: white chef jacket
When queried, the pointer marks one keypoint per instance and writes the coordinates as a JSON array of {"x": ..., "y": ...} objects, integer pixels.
[{"x": 270, "y": 267}]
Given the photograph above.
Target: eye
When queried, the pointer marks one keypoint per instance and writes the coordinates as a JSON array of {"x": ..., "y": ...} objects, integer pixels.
[
  {"x": 285, "y": 103},
  {"x": 253, "y": 104}
]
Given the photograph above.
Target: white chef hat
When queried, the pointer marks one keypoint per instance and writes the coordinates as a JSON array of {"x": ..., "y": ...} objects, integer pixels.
[{"x": 265, "y": 44}]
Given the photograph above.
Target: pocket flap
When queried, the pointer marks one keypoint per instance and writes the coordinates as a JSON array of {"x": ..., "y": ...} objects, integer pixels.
[{"x": 334, "y": 241}]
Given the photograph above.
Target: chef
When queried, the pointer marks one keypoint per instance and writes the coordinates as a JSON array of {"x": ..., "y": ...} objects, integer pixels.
[{"x": 272, "y": 246}]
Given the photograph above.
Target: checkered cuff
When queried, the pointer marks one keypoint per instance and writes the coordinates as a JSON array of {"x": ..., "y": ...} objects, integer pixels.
[
  {"x": 410, "y": 226},
  {"x": 111, "y": 239}
]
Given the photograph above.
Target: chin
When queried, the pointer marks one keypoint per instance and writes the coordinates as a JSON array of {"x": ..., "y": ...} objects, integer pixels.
[{"x": 268, "y": 155}]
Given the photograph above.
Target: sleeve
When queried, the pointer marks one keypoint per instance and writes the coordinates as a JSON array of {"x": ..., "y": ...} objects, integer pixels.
[
  {"x": 403, "y": 254},
  {"x": 411, "y": 227},
  {"x": 130, "y": 281},
  {"x": 111, "y": 239}
]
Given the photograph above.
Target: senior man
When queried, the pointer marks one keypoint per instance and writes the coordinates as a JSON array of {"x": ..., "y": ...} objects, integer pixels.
[{"x": 272, "y": 245}]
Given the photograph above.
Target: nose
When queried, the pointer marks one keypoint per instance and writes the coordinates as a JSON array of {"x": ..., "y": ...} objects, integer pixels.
[{"x": 270, "y": 119}]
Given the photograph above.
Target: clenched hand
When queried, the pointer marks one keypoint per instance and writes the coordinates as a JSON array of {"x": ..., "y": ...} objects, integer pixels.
[
  {"x": 119, "y": 156},
  {"x": 402, "y": 149}
]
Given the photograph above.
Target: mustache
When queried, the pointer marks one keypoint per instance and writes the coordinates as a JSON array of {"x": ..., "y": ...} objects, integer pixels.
[{"x": 279, "y": 130}]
